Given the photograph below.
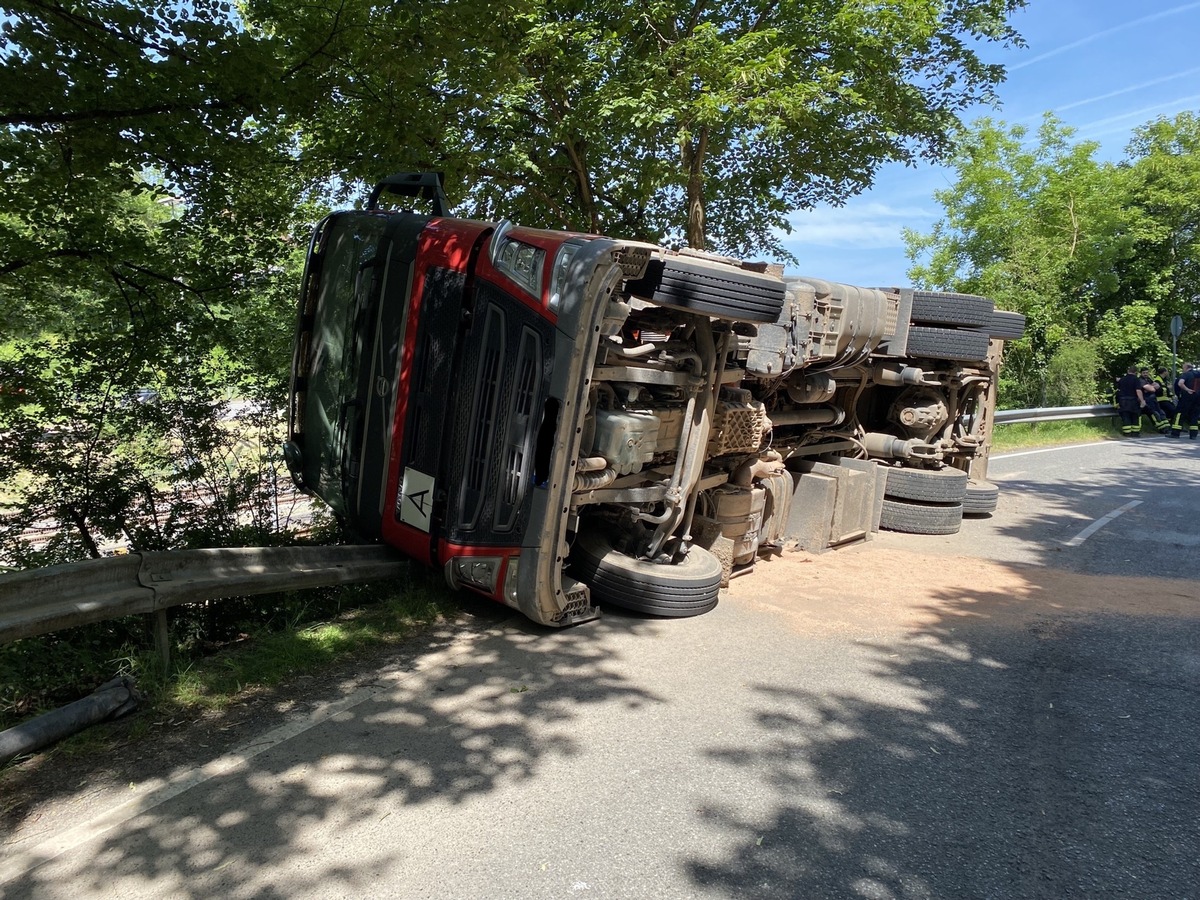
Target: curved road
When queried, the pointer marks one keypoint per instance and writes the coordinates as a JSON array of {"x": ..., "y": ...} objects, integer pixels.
[
  {"x": 1008, "y": 712},
  {"x": 1052, "y": 497}
]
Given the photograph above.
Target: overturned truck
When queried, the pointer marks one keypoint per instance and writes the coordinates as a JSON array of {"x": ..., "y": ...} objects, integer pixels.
[{"x": 562, "y": 420}]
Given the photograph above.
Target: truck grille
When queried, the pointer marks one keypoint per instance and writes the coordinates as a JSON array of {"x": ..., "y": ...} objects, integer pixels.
[
  {"x": 518, "y": 445},
  {"x": 483, "y": 436}
]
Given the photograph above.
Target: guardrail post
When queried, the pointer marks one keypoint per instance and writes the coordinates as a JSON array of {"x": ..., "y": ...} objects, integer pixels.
[{"x": 162, "y": 638}]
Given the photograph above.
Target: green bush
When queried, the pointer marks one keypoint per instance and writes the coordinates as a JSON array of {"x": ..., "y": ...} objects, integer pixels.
[{"x": 1071, "y": 374}]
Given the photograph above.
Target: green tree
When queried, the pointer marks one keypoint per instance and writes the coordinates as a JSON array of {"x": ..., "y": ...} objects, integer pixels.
[
  {"x": 1164, "y": 177},
  {"x": 710, "y": 121},
  {"x": 147, "y": 249},
  {"x": 1107, "y": 253},
  {"x": 1043, "y": 229}
]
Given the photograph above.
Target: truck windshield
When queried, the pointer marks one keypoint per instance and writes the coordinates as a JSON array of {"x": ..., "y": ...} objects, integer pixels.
[{"x": 340, "y": 291}]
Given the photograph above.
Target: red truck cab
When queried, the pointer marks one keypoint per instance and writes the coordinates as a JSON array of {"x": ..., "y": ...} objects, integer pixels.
[{"x": 436, "y": 360}]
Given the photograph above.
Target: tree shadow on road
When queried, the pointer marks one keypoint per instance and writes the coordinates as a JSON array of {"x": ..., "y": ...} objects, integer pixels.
[
  {"x": 1047, "y": 755},
  {"x": 475, "y": 710},
  {"x": 1011, "y": 743}
]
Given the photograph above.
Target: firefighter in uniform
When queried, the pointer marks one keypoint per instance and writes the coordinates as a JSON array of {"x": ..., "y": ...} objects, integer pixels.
[
  {"x": 1165, "y": 396},
  {"x": 1130, "y": 403},
  {"x": 1187, "y": 408},
  {"x": 1151, "y": 405}
]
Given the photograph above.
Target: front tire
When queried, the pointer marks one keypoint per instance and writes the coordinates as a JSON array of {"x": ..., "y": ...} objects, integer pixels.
[{"x": 687, "y": 588}]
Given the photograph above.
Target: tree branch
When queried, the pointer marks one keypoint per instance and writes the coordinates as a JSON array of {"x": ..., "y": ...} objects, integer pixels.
[
  {"x": 66, "y": 252},
  {"x": 198, "y": 293},
  {"x": 62, "y": 118},
  {"x": 119, "y": 281},
  {"x": 548, "y": 200},
  {"x": 334, "y": 31},
  {"x": 694, "y": 17},
  {"x": 764, "y": 14}
]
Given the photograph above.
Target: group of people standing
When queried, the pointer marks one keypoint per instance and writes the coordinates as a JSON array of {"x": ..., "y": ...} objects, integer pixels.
[{"x": 1172, "y": 407}]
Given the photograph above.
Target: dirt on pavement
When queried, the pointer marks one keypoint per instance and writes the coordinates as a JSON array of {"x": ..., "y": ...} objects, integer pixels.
[{"x": 875, "y": 590}]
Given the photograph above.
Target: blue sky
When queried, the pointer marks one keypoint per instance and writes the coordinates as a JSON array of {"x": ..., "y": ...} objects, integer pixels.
[{"x": 1103, "y": 67}]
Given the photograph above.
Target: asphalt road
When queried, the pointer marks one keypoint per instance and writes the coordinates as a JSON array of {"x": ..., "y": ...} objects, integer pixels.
[
  {"x": 1052, "y": 497},
  {"x": 1021, "y": 727}
]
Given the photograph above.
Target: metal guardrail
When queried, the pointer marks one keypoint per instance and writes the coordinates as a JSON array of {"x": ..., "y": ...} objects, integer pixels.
[
  {"x": 1053, "y": 414},
  {"x": 37, "y": 601}
]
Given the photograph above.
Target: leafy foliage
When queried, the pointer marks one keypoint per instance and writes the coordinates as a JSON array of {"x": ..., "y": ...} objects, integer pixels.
[
  {"x": 148, "y": 249},
  {"x": 1071, "y": 374},
  {"x": 1164, "y": 177},
  {"x": 707, "y": 121},
  {"x": 1098, "y": 252}
]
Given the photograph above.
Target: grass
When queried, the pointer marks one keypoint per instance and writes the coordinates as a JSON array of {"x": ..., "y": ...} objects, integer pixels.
[
  {"x": 1053, "y": 434},
  {"x": 271, "y": 656},
  {"x": 301, "y": 633}
]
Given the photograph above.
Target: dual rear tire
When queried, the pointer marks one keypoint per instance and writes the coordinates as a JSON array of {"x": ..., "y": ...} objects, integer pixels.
[
  {"x": 934, "y": 501},
  {"x": 958, "y": 327},
  {"x": 924, "y": 501}
]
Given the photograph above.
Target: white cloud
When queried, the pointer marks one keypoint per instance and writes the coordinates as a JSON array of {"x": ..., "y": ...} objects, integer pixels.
[
  {"x": 1105, "y": 33},
  {"x": 868, "y": 225},
  {"x": 1141, "y": 115}
]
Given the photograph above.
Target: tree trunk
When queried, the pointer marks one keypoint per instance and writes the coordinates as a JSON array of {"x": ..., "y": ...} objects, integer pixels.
[
  {"x": 587, "y": 199},
  {"x": 693, "y": 164},
  {"x": 85, "y": 533}
]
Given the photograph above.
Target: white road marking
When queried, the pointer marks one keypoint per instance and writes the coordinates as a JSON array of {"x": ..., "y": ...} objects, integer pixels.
[
  {"x": 1049, "y": 449},
  {"x": 1100, "y": 523}
]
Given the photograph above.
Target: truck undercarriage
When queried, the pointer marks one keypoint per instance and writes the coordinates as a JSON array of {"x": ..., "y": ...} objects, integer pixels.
[{"x": 700, "y": 423}]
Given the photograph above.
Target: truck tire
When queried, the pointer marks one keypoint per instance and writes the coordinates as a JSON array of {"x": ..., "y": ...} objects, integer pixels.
[
  {"x": 1007, "y": 326},
  {"x": 935, "y": 308},
  {"x": 688, "y": 588},
  {"x": 947, "y": 343},
  {"x": 946, "y": 485},
  {"x": 981, "y": 498},
  {"x": 723, "y": 293},
  {"x": 921, "y": 518}
]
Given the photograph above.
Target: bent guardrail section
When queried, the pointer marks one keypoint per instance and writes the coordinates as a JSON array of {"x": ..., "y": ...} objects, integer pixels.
[{"x": 38, "y": 601}]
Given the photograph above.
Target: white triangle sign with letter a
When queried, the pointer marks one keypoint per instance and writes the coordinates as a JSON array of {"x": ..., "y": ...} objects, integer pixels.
[{"x": 416, "y": 499}]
